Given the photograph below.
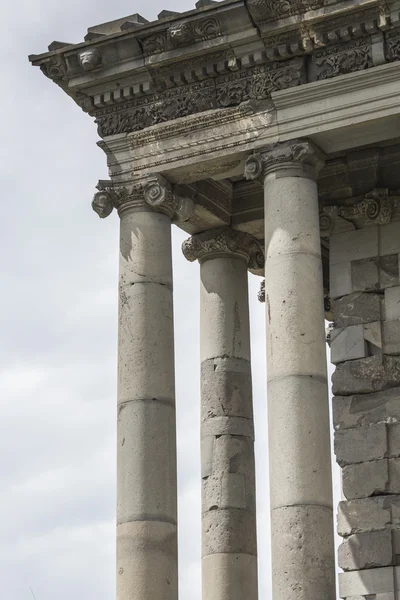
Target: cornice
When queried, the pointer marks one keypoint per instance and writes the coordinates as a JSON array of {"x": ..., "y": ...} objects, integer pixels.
[{"x": 218, "y": 57}]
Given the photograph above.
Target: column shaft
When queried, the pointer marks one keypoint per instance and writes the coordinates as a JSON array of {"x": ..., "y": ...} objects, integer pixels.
[
  {"x": 146, "y": 472},
  {"x": 229, "y": 554},
  {"x": 298, "y": 412}
]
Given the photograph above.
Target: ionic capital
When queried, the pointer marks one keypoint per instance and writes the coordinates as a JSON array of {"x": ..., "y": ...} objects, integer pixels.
[
  {"x": 224, "y": 242},
  {"x": 299, "y": 158},
  {"x": 153, "y": 192}
]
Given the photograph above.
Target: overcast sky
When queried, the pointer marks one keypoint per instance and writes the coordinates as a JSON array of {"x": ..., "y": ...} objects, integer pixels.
[{"x": 59, "y": 333}]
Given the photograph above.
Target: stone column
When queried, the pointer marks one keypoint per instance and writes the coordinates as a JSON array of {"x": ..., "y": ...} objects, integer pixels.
[
  {"x": 229, "y": 545},
  {"x": 147, "y": 563},
  {"x": 298, "y": 411}
]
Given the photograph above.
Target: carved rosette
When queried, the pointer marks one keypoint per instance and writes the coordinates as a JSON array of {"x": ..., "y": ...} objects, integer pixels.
[
  {"x": 155, "y": 192},
  {"x": 224, "y": 242},
  {"x": 301, "y": 155}
]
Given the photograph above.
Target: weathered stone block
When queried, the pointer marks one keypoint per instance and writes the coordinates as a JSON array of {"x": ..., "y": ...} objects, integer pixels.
[
  {"x": 392, "y": 303},
  {"x": 390, "y": 239},
  {"x": 391, "y": 336},
  {"x": 373, "y": 335},
  {"x": 385, "y": 596},
  {"x": 366, "y": 409},
  {"x": 229, "y": 530},
  {"x": 362, "y": 516},
  {"x": 207, "y": 451},
  {"x": 303, "y": 540},
  {"x": 371, "y": 374},
  {"x": 348, "y": 344},
  {"x": 361, "y": 444},
  {"x": 365, "y": 275},
  {"x": 358, "y": 308},
  {"x": 354, "y": 245},
  {"x": 388, "y": 271},
  {"x": 365, "y": 479},
  {"x": 226, "y": 389},
  {"x": 366, "y": 551},
  {"x": 394, "y": 440},
  {"x": 394, "y": 475},
  {"x": 368, "y": 582},
  {"x": 340, "y": 280}
]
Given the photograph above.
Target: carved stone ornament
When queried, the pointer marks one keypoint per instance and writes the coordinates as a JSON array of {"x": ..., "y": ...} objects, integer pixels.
[
  {"x": 254, "y": 84},
  {"x": 102, "y": 204},
  {"x": 160, "y": 195},
  {"x": 89, "y": 59},
  {"x": 296, "y": 153},
  {"x": 340, "y": 59},
  {"x": 392, "y": 45},
  {"x": 265, "y": 11},
  {"x": 258, "y": 83},
  {"x": 224, "y": 242},
  {"x": 154, "y": 191},
  {"x": 54, "y": 69},
  {"x": 159, "y": 108},
  {"x": 376, "y": 209},
  {"x": 181, "y": 34}
]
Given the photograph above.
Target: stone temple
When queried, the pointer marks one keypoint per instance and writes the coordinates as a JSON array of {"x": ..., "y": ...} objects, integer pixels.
[{"x": 269, "y": 131}]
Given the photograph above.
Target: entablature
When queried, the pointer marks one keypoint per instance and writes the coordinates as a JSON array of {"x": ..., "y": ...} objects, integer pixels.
[{"x": 131, "y": 75}]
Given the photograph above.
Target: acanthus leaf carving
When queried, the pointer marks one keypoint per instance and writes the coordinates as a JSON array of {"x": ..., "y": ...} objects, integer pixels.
[
  {"x": 159, "y": 108},
  {"x": 284, "y": 154},
  {"x": 224, "y": 241},
  {"x": 343, "y": 58},
  {"x": 259, "y": 82},
  {"x": 392, "y": 45},
  {"x": 154, "y": 190}
]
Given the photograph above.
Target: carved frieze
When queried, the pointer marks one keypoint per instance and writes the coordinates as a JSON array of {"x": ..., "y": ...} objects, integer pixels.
[
  {"x": 392, "y": 45},
  {"x": 158, "y": 108},
  {"x": 340, "y": 59},
  {"x": 259, "y": 82},
  {"x": 265, "y": 11},
  {"x": 181, "y": 34},
  {"x": 224, "y": 241},
  {"x": 256, "y": 83}
]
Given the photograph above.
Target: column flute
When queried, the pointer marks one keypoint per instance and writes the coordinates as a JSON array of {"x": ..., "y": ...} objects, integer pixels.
[
  {"x": 147, "y": 562},
  {"x": 298, "y": 413},
  {"x": 229, "y": 544}
]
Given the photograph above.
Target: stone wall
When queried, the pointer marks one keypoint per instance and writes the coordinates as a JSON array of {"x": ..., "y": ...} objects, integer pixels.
[{"x": 365, "y": 347}]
